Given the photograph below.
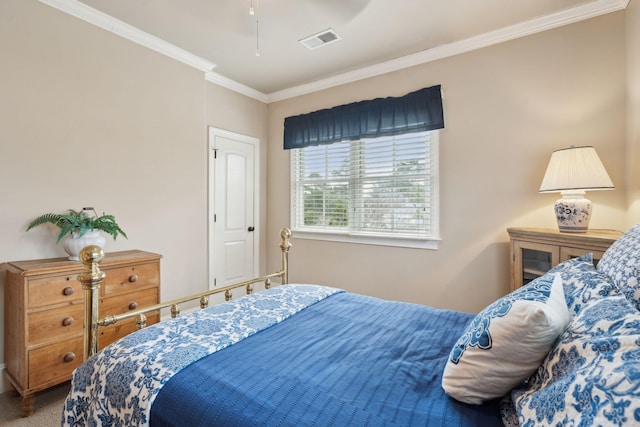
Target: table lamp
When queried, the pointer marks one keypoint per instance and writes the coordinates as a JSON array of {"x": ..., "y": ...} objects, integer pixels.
[{"x": 571, "y": 172}]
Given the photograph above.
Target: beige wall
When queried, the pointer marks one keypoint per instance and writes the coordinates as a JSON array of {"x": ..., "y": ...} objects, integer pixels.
[
  {"x": 507, "y": 107},
  {"x": 91, "y": 119},
  {"x": 633, "y": 109}
]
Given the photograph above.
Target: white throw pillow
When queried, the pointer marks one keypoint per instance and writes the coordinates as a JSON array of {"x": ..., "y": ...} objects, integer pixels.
[{"x": 506, "y": 342}]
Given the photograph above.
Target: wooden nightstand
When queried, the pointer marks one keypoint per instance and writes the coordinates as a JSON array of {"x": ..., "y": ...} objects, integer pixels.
[
  {"x": 44, "y": 314},
  {"x": 534, "y": 251}
]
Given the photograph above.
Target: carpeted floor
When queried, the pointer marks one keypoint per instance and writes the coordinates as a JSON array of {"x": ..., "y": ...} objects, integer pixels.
[{"x": 48, "y": 408}]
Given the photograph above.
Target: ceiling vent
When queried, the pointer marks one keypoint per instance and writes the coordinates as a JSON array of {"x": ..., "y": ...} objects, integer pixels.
[{"x": 323, "y": 38}]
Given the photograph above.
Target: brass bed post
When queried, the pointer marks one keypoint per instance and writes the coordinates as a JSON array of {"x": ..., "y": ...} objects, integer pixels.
[
  {"x": 91, "y": 279},
  {"x": 285, "y": 233}
]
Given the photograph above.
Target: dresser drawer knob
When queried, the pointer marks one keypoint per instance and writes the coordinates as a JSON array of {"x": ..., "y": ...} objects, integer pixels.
[
  {"x": 133, "y": 278},
  {"x": 69, "y": 357},
  {"x": 133, "y": 305},
  {"x": 67, "y": 321},
  {"x": 67, "y": 291}
]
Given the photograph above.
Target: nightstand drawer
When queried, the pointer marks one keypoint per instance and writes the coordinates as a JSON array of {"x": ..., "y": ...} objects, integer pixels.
[
  {"x": 55, "y": 324},
  {"x": 54, "y": 363},
  {"x": 128, "y": 279},
  {"x": 45, "y": 291}
]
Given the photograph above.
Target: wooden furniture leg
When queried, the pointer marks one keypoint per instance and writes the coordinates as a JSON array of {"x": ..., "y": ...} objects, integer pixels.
[{"x": 27, "y": 405}]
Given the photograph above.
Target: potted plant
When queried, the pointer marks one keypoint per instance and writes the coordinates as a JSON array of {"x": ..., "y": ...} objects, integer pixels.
[{"x": 80, "y": 229}]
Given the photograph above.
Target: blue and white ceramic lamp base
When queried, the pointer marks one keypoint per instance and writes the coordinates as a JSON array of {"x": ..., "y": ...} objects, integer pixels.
[{"x": 573, "y": 213}]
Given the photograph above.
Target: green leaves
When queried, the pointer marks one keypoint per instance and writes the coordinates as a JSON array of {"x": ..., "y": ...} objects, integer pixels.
[{"x": 79, "y": 222}]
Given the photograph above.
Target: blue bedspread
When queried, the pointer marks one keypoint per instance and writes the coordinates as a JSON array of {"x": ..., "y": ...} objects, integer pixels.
[{"x": 346, "y": 360}]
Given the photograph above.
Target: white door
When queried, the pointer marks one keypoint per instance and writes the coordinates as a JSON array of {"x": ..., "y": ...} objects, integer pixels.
[{"x": 233, "y": 208}]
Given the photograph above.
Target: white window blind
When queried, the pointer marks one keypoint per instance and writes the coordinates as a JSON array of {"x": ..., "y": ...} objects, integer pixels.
[{"x": 383, "y": 187}]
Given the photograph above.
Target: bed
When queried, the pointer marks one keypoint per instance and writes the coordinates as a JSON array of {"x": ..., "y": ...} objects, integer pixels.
[{"x": 565, "y": 348}]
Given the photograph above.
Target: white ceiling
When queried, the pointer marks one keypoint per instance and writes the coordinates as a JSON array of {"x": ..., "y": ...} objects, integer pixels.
[{"x": 376, "y": 35}]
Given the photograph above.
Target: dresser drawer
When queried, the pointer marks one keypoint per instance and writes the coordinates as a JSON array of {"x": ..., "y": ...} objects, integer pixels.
[
  {"x": 121, "y": 304},
  {"x": 113, "y": 333},
  {"x": 128, "y": 302},
  {"x": 54, "y": 363},
  {"x": 127, "y": 279},
  {"x": 53, "y": 290},
  {"x": 57, "y": 323}
]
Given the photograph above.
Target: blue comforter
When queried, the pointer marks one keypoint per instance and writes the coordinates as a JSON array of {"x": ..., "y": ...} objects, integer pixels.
[{"x": 346, "y": 360}]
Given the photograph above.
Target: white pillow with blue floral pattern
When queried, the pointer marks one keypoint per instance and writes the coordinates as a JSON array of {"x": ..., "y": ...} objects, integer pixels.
[
  {"x": 506, "y": 342},
  {"x": 592, "y": 375},
  {"x": 621, "y": 262}
]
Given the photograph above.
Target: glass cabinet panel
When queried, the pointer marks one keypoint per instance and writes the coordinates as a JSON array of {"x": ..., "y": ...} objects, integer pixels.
[
  {"x": 534, "y": 264},
  {"x": 531, "y": 260}
]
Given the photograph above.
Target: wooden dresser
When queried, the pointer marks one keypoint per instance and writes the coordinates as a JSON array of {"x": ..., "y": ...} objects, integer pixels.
[{"x": 44, "y": 306}]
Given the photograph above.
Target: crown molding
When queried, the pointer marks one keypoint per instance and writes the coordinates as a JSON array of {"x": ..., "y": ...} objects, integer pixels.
[
  {"x": 129, "y": 32},
  {"x": 533, "y": 26},
  {"x": 233, "y": 85}
]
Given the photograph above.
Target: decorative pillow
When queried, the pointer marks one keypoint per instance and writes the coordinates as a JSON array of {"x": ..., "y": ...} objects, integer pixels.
[
  {"x": 505, "y": 343},
  {"x": 582, "y": 282},
  {"x": 591, "y": 376},
  {"x": 621, "y": 262}
]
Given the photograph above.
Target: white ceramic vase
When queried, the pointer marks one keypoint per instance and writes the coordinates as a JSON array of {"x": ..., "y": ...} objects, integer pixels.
[{"x": 73, "y": 244}]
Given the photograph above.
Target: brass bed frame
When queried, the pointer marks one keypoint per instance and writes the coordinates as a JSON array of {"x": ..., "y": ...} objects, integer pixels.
[{"x": 92, "y": 277}]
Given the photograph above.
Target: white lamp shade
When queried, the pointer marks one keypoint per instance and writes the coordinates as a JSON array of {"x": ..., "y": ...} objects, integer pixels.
[{"x": 575, "y": 168}]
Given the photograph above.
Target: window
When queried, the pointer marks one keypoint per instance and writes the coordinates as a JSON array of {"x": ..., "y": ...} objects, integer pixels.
[
  {"x": 380, "y": 190},
  {"x": 366, "y": 172}
]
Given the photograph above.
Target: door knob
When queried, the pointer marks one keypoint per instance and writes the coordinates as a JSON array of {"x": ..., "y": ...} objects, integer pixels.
[{"x": 251, "y": 228}]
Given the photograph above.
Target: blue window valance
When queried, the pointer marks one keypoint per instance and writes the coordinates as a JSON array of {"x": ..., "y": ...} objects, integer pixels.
[{"x": 417, "y": 111}]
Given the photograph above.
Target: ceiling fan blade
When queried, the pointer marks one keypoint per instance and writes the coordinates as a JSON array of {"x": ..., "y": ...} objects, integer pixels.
[{"x": 345, "y": 9}]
